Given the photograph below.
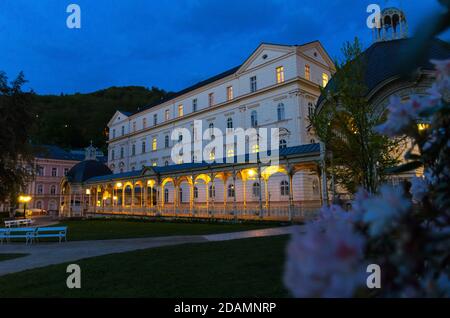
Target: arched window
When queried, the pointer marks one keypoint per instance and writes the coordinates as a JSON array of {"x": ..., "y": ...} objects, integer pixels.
[
  {"x": 143, "y": 147},
  {"x": 212, "y": 191},
  {"x": 53, "y": 190},
  {"x": 256, "y": 189},
  {"x": 254, "y": 118},
  {"x": 166, "y": 195},
  {"x": 284, "y": 188},
  {"x": 166, "y": 163},
  {"x": 231, "y": 191},
  {"x": 40, "y": 189},
  {"x": 229, "y": 123},
  {"x": 283, "y": 143},
  {"x": 280, "y": 111},
  {"x": 195, "y": 193}
]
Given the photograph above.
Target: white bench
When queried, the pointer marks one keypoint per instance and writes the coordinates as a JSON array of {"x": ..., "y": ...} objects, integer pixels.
[{"x": 19, "y": 222}]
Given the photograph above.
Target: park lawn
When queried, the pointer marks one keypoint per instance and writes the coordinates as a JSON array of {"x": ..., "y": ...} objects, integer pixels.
[
  {"x": 5, "y": 257},
  {"x": 117, "y": 229},
  {"x": 239, "y": 268}
]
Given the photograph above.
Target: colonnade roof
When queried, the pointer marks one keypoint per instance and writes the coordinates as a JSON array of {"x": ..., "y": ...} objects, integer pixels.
[{"x": 302, "y": 150}]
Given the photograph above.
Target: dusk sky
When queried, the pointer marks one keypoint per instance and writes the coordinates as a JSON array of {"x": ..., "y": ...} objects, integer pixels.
[{"x": 169, "y": 44}]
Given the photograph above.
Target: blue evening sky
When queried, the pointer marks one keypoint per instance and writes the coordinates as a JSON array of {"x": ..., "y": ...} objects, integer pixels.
[{"x": 170, "y": 44}]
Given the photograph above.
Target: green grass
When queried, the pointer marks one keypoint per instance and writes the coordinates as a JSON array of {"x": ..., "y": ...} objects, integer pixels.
[
  {"x": 115, "y": 229},
  {"x": 239, "y": 268},
  {"x": 5, "y": 257}
]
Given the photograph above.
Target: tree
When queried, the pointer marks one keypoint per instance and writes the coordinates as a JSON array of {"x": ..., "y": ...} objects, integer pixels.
[
  {"x": 16, "y": 152},
  {"x": 346, "y": 122}
]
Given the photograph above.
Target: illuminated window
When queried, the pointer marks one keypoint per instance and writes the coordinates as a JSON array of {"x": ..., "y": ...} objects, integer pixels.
[
  {"x": 180, "y": 110},
  {"x": 154, "y": 144},
  {"x": 230, "y": 153},
  {"x": 144, "y": 123},
  {"x": 324, "y": 79},
  {"x": 155, "y": 163},
  {"x": 194, "y": 105},
  {"x": 307, "y": 72},
  {"x": 255, "y": 148},
  {"x": 229, "y": 92},
  {"x": 211, "y": 99},
  {"x": 280, "y": 74},
  {"x": 253, "y": 84},
  {"x": 167, "y": 114}
]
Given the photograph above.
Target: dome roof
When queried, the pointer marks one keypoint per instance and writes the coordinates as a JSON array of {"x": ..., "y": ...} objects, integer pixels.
[{"x": 87, "y": 169}]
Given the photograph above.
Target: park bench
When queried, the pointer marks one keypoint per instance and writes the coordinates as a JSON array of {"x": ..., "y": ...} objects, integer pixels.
[
  {"x": 55, "y": 231},
  {"x": 26, "y": 233},
  {"x": 18, "y": 222}
]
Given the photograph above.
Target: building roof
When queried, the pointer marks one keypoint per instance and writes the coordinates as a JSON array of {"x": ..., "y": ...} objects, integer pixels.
[
  {"x": 286, "y": 152},
  {"x": 55, "y": 152},
  {"x": 87, "y": 169},
  {"x": 384, "y": 60}
]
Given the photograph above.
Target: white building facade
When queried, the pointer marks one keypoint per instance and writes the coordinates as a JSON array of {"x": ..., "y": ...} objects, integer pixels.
[{"x": 276, "y": 87}]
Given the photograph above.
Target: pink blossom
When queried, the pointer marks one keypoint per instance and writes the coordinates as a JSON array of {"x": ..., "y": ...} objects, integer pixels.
[
  {"x": 325, "y": 261},
  {"x": 384, "y": 210}
]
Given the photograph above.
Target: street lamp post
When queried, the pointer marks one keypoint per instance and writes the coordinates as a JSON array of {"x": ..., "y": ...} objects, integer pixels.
[{"x": 24, "y": 199}]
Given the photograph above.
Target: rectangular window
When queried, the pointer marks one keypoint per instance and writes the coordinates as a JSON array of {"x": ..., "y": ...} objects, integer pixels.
[
  {"x": 134, "y": 126},
  {"x": 123, "y": 130},
  {"x": 40, "y": 171},
  {"x": 211, "y": 99},
  {"x": 229, "y": 92},
  {"x": 155, "y": 119},
  {"x": 180, "y": 110},
  {"x": 154, "y": 144},
  {"x": 324, "y": 79},
  {"x": 155, "y": 163},
  {"x": 194, "y": 105},
  {"x": 253, "y": 85},
  {"x": 280, "y": 74},
  {"x": 66, "y": 170},
  {"x": 166, "y": 141},
  {"x": 307, "y": 72},
  {"x": 167, "y": 114},
  {"x": 144, "y": 123},
  {"x": 114, "y": 133},
  {"x": 54, "y": 172}
]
